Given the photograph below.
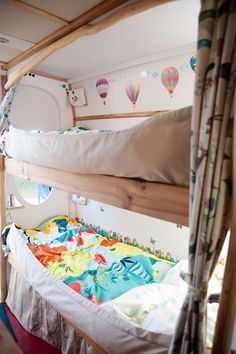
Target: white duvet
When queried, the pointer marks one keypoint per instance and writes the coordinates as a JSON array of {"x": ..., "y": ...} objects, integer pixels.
[
  {"x": 156, "y": 307},
  {"x": 154, "y": 150}
]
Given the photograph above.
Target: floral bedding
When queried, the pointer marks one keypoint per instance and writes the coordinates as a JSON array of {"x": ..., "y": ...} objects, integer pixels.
[{"x": 97, "y": 267}]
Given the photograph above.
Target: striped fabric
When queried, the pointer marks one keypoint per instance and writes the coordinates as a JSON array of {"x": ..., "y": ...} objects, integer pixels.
[{"x": 211, "y": 164}]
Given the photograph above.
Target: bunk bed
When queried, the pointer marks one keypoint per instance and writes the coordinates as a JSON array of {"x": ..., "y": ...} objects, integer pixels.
[
  {"x": 167, "y": 202},
  {"x": 164, "y": 201}
]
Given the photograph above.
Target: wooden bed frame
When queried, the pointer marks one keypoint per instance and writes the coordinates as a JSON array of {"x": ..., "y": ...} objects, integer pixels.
[
  {"x": 164, "y": 201},
  {"x": 159, "y": 200},
  {"x": 154, "y": 199}
]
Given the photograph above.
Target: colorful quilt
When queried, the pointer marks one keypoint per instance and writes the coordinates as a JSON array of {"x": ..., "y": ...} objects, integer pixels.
[{"x": 99, "y": 268}]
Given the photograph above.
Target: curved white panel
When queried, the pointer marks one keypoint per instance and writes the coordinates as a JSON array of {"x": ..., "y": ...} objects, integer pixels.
[{"x": 35, "y": 108}]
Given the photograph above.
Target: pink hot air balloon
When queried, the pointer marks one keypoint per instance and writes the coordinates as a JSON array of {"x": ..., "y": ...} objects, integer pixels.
[
  {"x": 132, "y": 90},
  {"x": 170, "y": 78},
  {"x": 102, "y": 89}
]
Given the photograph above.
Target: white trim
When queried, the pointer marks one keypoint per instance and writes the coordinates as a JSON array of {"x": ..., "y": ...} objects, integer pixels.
[{"x": 188, "y": 48}]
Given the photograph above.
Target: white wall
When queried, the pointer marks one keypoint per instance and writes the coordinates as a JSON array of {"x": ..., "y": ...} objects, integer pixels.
[
  {"x": 40, "y": 103},
  {"x": 153, "y": 96}
]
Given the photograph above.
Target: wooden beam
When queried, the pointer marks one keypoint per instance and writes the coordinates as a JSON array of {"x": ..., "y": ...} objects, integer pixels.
[
  {"x": 120, "y": 115},
  {"x": 3, "y": 80},
  {"x": 158, "y": 200},
  {"x": 87, "y": 30},
  {"x": 99, "y": 10},
  {"x": 3, "y": 281},
  {"x": 36, "y": 10},
  {"x": 49, "y": 76},
  {"x": 227, "y": 310},
  {"x": 73, "y": 109}
]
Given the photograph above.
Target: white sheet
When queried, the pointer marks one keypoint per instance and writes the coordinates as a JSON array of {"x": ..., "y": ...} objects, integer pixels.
[{"x": 154, "y": 150}]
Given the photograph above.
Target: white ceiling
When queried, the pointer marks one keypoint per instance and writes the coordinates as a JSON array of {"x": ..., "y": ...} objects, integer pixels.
[
  {"x": 141, "y": 37},
  {"x": 26, "y": 25},
  {"x": 165, "y": 27}
]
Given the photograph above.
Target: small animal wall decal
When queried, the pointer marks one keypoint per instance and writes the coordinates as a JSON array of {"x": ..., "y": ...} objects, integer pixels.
[
  {"x": 77, "y": 97},
  {"x": 102, "y": 87},
  {"x": 170, "y": 78},
  {"x": 133, "y": 90}
]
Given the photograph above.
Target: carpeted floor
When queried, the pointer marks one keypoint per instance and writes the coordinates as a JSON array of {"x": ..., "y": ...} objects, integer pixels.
[{"x": 28, "y": 344}]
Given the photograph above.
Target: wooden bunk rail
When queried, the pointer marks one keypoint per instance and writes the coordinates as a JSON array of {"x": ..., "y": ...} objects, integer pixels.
[
  {"x": 158, "y": 200},
  {"x": 3, "y": 289},
  {"x": 119, "y": 115}
]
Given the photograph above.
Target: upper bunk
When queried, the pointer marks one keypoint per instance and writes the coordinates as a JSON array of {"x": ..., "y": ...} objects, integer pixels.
[
  {"x": 161, "y": 200},
  {"x": 167, "y": 202}
]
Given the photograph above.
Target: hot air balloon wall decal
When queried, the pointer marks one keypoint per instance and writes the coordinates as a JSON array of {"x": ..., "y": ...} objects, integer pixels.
[
  {"x": 102, "y": 87},
  {"x": 193, "y": 63},
  {"x": 132, "y": 89},
  {"x": 170, "y": 78}
]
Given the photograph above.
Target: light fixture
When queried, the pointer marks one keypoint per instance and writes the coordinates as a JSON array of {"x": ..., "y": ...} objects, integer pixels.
[{"x": 4, "y": 40}]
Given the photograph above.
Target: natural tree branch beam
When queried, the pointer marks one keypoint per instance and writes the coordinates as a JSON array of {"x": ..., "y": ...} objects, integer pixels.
[
  {"x": 38, "y": 11},
  {"x": 90, "y": 15},
  {"x": 87, "y": 30}
]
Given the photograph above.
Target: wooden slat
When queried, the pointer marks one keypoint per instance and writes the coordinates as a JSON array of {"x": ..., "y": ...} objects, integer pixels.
[
  {"x": 227, "y": 310},
  {"x": 3, "y": 80},
  {"x": 87, "y": 30},
  {"x": 17, "y": 268},
  {"x": 3, "y": 284},
  {"x": 159, "y": 200},
  {"x": 99, "y": 10},
  {"x": 72, "y": 109},
  {"x": 15, "y": 208},
  {"x": 36, "y": 10},
  {"x": 49, "y": 76},
  {"x": 120, "y": 115},
  {"x": 13, "y": 262}
]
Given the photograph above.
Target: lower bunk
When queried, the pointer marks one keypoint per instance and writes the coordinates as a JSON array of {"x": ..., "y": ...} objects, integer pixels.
[{"x": 133, "y": 310}]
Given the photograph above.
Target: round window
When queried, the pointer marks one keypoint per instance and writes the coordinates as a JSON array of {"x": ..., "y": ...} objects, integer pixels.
[{"x": 31, "y": 192}]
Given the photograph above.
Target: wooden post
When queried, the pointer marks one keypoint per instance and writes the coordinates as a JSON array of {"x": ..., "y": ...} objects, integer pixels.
[
  {"x": 73, "y": 109},
  {"x": 2, "y": 210},
  {"x": 227, "y": 309},
  {"x": 3, "y": 288}
]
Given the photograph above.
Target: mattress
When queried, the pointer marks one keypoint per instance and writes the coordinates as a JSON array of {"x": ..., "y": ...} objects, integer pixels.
[{"x": 157, "y": 149}]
